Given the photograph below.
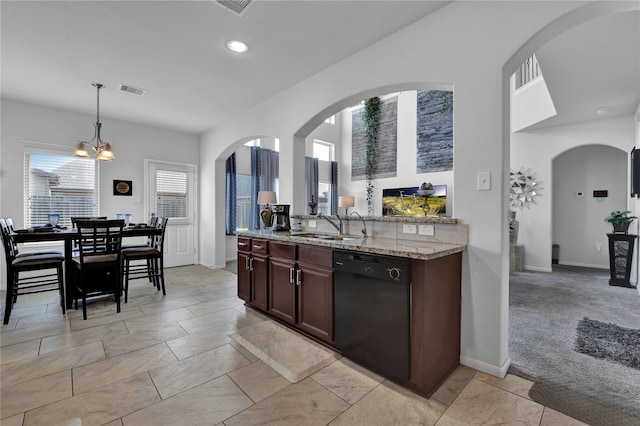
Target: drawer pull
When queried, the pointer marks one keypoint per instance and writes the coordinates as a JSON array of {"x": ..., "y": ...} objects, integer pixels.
[
  {"x": 258, "y": 247},
  {"x": 242, "y": 244}
]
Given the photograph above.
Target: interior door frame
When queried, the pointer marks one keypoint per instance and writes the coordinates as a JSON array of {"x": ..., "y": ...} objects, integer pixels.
[{"x": 148, "y": 163}]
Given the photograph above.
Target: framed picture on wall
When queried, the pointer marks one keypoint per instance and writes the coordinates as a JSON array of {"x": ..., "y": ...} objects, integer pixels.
[{"x": 123, "y": 187}]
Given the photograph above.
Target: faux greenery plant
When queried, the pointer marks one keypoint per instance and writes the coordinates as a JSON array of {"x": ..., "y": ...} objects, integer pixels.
[
  {"x": 618, "y": 217},
  {"x": 371, "y": 122}
]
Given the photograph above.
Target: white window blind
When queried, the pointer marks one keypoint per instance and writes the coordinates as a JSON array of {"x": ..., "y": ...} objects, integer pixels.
[
  {"x": 172, "y": 195},
  {"x": 63, "y": 184}
]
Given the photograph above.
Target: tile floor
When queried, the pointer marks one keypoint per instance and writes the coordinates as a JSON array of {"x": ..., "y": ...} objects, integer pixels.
[{"x": 170, "y": 360}]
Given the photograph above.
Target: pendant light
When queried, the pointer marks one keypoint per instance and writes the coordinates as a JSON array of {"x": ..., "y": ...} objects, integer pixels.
[{"x": 102, "y": 150}]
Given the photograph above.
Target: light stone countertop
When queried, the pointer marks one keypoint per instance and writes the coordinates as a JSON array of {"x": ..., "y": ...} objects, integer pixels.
[
  {"x": 404, "y": 219},
  {"x": 387, "y": 246}
]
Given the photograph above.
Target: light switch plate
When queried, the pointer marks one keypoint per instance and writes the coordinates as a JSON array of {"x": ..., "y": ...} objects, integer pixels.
[
  {"x": 312, "y": 223},
  {"x": 484, "y": 181}
]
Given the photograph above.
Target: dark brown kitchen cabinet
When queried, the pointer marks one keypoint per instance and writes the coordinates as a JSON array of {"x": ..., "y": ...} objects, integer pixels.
[
  {"x": 244, "y": 276},
  {"x": 301, "y": 287},
  {"x": 282, "y": 288},
  {"x": 244, "y": 270},
  {"x": 253, "y": 270},
  {"x": 314, "y": 279},
  {"x": 259, "y": 282}
]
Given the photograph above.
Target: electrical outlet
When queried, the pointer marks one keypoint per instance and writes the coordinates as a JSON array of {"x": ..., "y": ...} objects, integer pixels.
[
  {"x": 312, "y": 223},
  {"x": 426, "y": 230},
  {"x": 408, "y": 229}
]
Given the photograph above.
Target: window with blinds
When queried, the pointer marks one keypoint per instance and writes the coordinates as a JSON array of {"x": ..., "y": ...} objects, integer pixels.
[
  {"x": 172, "y": 195},
  {"x": 63, "y": 184}
]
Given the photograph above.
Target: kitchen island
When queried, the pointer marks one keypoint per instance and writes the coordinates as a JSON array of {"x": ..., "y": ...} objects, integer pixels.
[{"x": 292, "y": 278}]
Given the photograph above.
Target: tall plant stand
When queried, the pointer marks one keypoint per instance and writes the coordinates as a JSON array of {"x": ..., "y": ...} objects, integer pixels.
[{"x": 620, "y": 258}]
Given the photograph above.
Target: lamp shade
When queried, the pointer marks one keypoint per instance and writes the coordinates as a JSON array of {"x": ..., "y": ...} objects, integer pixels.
[
  {"x": 346, "y": 201},
  {"x": 266, "y": 197}
]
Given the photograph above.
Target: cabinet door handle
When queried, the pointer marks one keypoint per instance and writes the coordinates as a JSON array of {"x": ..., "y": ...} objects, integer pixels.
[
  {"x": 291, "y": 275},
  {"x": 246, "y": 263},
  {"x": 257, "y": 247},
  {"x": 298, "y": 277},
  {"x": 251, "y": 263}
]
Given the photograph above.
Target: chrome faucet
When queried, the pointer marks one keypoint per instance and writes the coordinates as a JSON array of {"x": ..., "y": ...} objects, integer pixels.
[
  {"x": 364, "y": 225},
  {"x": 339, "y": 228}
]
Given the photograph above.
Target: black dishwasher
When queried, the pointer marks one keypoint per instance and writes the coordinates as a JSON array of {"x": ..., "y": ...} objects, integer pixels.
[{"x": 372, "y": 311}]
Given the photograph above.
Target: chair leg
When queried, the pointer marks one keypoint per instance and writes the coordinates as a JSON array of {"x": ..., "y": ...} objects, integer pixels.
[
  {"x": 84, "y": 305},
  {"x": 75, "y": 292},
  {"x": 150, "y": 270},
  {"x": 61, "y": 289},
  {"x": 9, "y": 300},
  {"x": 156, "y": 277},
  {"x": 161, "y": 275},
  {"x": 118, "y": 288},
  {"x": 127, "y": 265}
]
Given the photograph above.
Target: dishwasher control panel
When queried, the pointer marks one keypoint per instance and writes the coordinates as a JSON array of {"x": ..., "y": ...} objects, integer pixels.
[{"x": 388, "y": 268}]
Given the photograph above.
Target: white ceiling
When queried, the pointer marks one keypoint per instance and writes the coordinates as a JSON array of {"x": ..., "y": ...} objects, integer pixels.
[
  {"x": 594, "y": 65},
  {"x": 53, "y": 50}
]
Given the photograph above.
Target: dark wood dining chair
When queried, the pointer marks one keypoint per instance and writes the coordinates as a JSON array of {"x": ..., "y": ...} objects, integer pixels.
[
  {"x": 18, "y": 284},
  {"x": 152, "y": 254},
  {"x": 74, "y": 221},
  {"x": 7, "y": 228},
  {"x": 97, "y": 266}
]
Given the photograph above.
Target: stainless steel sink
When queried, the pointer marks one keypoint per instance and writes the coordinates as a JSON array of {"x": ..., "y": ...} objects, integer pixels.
[{"x": 326, "y": 236}]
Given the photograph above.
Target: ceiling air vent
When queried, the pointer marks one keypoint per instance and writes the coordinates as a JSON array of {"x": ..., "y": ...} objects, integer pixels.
[
  {"x": 236, "y": 6},
  {"x": 131, "y": 89}
]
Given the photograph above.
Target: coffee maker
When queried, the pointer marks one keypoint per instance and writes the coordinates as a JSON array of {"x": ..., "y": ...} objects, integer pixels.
[{"x": 281, "y": 217}]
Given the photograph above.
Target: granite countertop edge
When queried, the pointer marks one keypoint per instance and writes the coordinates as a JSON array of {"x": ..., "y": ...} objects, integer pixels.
[
  {"x": 404, "y": 219},
  {"x": 421, "y": 250}
]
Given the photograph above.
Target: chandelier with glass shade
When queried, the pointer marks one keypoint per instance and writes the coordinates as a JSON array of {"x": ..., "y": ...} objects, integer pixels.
[{"x": 101, "y": 149}]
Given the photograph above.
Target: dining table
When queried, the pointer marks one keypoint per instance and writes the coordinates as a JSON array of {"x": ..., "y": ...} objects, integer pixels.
[{"x": 68, "y": 236}]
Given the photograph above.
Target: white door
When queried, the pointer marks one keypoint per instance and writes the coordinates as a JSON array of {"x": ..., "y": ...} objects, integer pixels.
[{"x": 171, "y": 189}]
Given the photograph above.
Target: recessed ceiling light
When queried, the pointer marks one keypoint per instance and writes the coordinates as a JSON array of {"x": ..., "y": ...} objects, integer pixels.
[{"x": 237, "y": 46}]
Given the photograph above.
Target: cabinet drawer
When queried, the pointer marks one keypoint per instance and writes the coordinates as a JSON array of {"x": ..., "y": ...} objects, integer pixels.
[
  {"x": 318, "y": 256},
  {"x": 282, "y": 250},
  {"x": 244, "y": 244},
  {"x": 259, "y": 247}
]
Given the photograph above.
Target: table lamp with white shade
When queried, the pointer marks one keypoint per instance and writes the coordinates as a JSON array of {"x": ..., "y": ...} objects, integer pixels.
[
  {"x": 346, "y": 201},
  {"x": 266, "y": 198}
]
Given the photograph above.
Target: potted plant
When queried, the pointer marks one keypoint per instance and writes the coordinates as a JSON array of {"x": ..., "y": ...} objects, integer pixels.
[{"x": 620, "y": 221}]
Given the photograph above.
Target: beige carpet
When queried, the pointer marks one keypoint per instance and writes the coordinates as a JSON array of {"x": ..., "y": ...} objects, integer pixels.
[{"x": 544, "y": 312}]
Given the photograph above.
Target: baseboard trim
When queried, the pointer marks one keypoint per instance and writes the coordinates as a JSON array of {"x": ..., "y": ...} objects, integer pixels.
[
  {"x": 584, "y": 265},
  {"x": 486, "y": 368},
  {"x": 212, "y": 266},
  {"x": 537, "y": 269}
]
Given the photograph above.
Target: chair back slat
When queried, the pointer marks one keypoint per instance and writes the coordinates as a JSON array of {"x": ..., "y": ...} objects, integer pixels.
[
  {"x": 99, "y": 237},
  {"x": 158, "y": 241},
  {"x": 10, "y": 246}
]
